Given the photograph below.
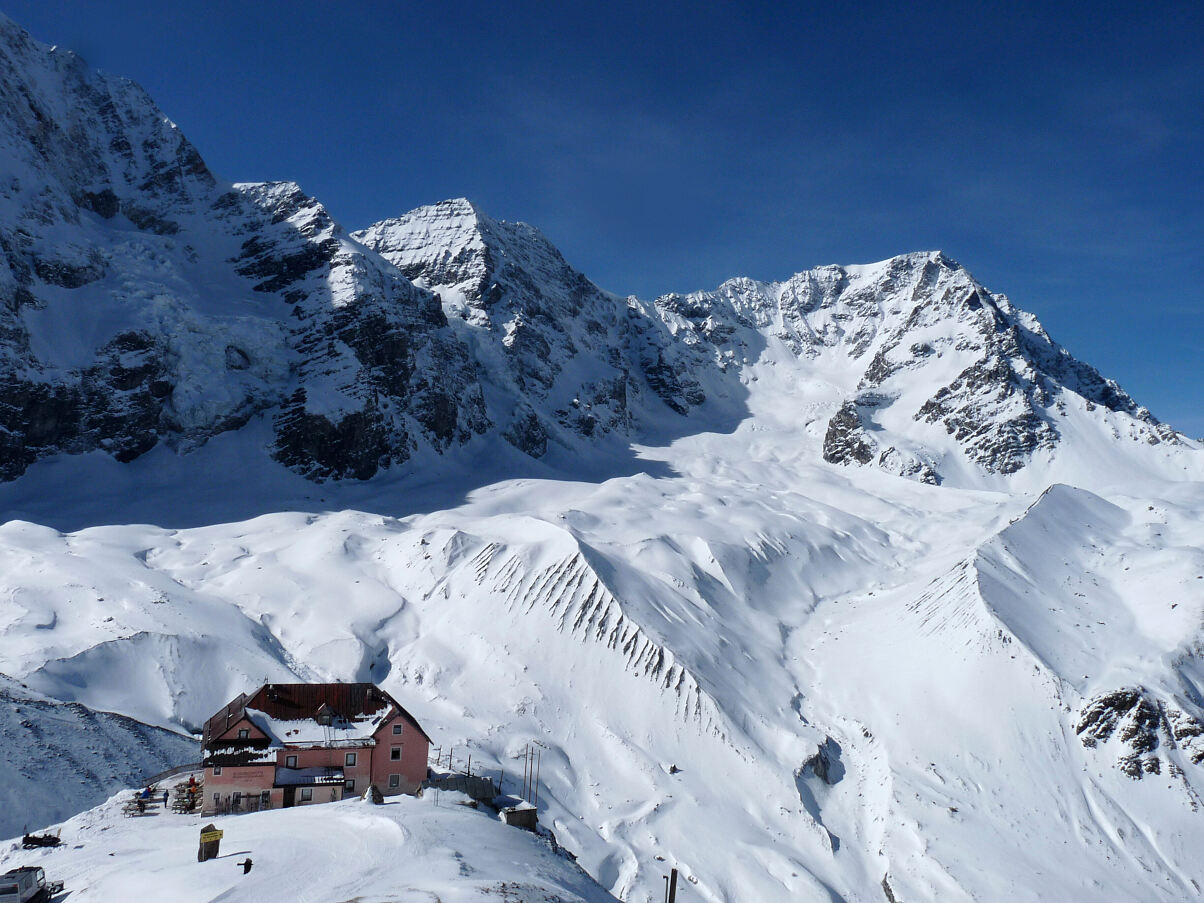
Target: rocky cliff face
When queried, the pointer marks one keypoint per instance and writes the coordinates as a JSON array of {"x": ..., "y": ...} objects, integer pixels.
[
  {"x": 145, "y": 301},
  {"x": 910, "y": 343},
  {"x": 1144, "y": 732},
  {"x": 564, "y": 360},
  {"x": 377, "y": 372}
]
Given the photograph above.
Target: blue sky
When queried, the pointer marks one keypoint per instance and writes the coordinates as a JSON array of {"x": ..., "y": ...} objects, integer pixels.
[{"x": 1056, "y": 152}]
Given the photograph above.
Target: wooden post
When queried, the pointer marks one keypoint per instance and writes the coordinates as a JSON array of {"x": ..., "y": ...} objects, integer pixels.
[
  {"x": 673, "y": 886},
  {"x": 211, "y": 839}
]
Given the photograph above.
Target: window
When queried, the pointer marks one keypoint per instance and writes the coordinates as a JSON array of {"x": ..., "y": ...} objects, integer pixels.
[
  {"x": 265, "y": 797},
  {"x": 307, "y": 794},
  {"x": 243, "y": 733},
  {"x": 395, "y": 754},
  {"x": 350, "y": 759},
  {"x": 290, "y": 761},
  {"x": 349, "y": 784},
  {"x": 394, "y": 780},
  {"x": 397, "y": 730},
  {"x": 217, "y": 769}
]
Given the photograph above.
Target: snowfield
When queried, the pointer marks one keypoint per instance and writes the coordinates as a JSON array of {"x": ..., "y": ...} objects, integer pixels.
[
  {"x": 856, "y": 676},
  {"x": 405, "y": 851}
]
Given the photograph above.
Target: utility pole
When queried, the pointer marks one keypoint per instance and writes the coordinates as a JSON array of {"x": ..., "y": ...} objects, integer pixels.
[
  {"x": 538, "y": 762},
  {"x": 527, "y": 771}
]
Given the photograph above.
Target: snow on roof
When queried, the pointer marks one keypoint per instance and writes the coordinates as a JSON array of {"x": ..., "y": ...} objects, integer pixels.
[
  {"x": 292, "y": 714},
  {"x": 306, "y": 731}
]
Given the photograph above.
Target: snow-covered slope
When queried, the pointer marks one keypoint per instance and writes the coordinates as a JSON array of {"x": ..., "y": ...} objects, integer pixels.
[
  {"x": 57, "y": 758},
  {"x": 404, "y": 850},
  {"x": 846, "y": 694},
  {"x": 854, "y": 586}
]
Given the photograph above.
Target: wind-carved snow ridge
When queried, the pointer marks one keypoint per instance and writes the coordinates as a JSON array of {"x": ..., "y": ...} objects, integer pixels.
[
  {"x": 1058, "y": 582},
  {"x": 571, "y": 593},
  {"x": 953, "y": 604}
]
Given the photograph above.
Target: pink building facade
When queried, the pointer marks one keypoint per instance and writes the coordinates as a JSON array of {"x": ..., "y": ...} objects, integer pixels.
[{"x": 299, "y": 744}]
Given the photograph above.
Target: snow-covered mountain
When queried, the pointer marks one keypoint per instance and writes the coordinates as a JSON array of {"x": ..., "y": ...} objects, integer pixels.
[
  {"x": 854, "y": 586},
  {"x": 932, "y": 371},
  {"x": 145, "y": 301},
  {"x": 927, "y": 372},
  {"x": 560, "y": 357},
  {"x": 56, "y": 758}
]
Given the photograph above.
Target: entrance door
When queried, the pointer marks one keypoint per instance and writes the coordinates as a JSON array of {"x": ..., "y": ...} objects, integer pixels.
[{"x": 290, "y": 796}]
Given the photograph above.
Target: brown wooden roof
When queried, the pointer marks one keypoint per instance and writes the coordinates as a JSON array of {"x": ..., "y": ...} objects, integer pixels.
[{"x": 294, "y": 702}]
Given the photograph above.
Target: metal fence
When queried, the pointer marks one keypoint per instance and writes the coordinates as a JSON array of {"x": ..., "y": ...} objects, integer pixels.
[{"x": 476, "y": 786}]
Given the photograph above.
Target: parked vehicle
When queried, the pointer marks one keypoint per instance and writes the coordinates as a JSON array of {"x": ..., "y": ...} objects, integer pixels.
[{"x": 27, "y": 885}]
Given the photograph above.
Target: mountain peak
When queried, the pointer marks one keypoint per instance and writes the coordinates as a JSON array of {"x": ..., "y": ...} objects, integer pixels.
[
  {"x": 454, "y": 246},
  {"x": 455, "y": 207}
]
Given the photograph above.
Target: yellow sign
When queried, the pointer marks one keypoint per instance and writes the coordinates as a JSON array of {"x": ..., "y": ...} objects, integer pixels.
[{"x": 210, "y": 836}]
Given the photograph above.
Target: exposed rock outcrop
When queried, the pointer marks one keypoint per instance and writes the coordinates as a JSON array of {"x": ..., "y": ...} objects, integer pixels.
[{"x": 1143, "y": 729}]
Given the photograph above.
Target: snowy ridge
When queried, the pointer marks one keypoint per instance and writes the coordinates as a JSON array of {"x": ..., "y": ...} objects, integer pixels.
[
  {"x": 882, "y": 336},
  {"x": 56, "y": 758},
  {"x": 572, "y": 593},
  {"x": 855, "y": 711},
  {"x": 953, "y": 604}
]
